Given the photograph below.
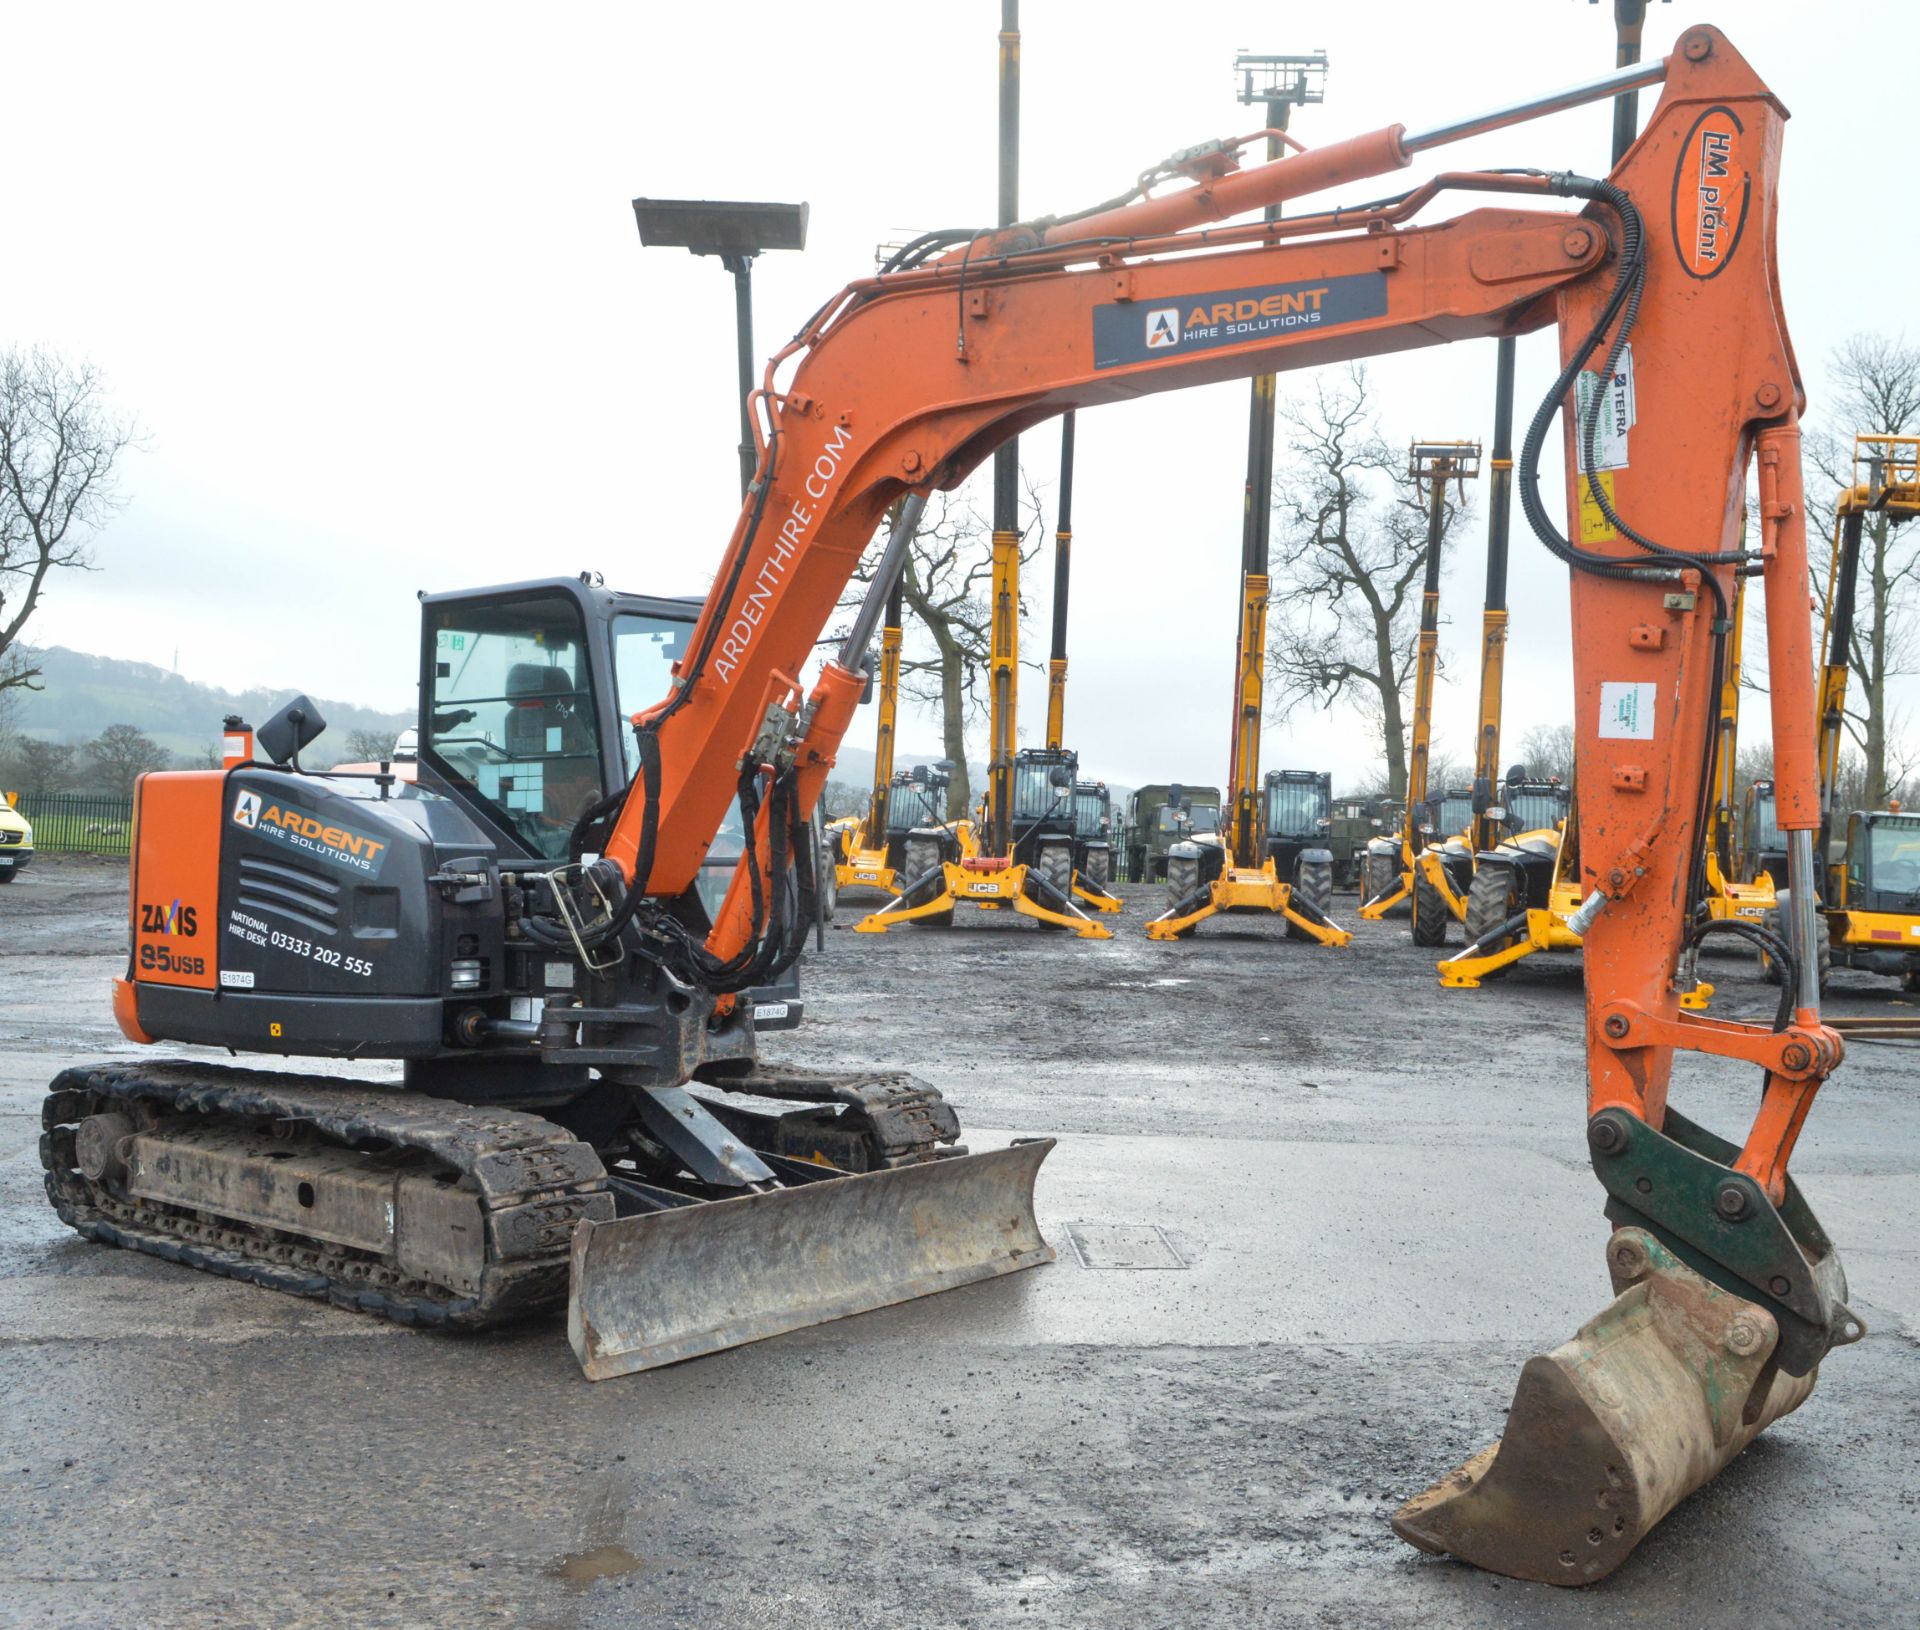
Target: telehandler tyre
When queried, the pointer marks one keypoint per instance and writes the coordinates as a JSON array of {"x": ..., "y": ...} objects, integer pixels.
[
  {"x": 922, "y": 865},
  {"x": 828, "y": 873},
  {"x": 1314, "y": 880},
  {"x": 1777, "y": 922},
  {"x": 1313, "y": 883},
  {"x": 1430, "y": 914},
  {"x": 1379, "y": 873},
  {"x": 1490, "y": 902},
  {"x": 1056, "y": 865},
  {"x": 1183, "y": 877}
]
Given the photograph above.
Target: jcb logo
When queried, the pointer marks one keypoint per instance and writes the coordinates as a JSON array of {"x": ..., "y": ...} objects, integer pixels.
[
  {"x": 169, "y": 920},
  {"x": 246, "y": 810},
  {"x": 1163, "y": 328}
]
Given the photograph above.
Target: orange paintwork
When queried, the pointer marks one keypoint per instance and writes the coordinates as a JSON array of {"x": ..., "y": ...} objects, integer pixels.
[
  {"x": 908, "y": 381},
  {"x": 126, "y": 1012},
  {"x": 176, "y": 878}
]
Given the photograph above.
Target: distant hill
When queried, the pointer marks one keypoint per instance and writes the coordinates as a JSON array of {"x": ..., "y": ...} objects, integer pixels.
[{"x": 84, "y": 694}]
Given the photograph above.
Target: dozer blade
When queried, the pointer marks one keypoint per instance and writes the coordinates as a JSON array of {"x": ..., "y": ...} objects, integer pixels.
[
  {"x": 1610, "y": 1432},
  {"x": 655, "y": 1289}
]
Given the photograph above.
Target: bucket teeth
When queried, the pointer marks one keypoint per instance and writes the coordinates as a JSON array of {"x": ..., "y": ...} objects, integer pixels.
[{"x": 1608, "y": 1433}]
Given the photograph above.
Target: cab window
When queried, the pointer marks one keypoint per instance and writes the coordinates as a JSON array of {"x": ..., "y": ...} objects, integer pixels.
[
  {"x": 644, "y": 652},
  {"x": 511, "y": 713}
]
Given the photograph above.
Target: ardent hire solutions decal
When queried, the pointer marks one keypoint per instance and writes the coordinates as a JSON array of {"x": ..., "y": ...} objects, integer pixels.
[
  {"x": 299, "y": 830},
  {"x": 1142, "y": 330}
]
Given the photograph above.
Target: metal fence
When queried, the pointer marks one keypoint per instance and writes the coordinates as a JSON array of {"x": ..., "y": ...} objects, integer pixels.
[{"x": 78, "y": 822}]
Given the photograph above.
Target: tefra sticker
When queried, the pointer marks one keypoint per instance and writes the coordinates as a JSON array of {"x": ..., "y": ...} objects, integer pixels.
[
  {"x": 1626, "y": 710},
  {"x": 1617, "y": 415}
]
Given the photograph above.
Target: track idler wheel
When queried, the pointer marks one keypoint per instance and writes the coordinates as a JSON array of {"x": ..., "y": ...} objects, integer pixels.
[{"x": 1607, "y": 1434}]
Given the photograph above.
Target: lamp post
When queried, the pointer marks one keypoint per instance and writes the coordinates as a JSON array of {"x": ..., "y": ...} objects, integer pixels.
[{"x": 736, "y": 233}]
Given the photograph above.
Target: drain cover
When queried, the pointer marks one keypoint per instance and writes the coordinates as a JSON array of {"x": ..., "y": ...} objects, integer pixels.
[{"x": 1122, "y": 1245}]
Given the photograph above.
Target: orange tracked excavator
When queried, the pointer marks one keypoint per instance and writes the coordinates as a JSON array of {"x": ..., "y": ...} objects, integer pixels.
[{"x": 1728, "y": 1294}]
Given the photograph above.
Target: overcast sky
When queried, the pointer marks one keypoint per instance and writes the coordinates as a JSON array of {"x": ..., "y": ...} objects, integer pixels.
[{"x": 369, "y": 277}]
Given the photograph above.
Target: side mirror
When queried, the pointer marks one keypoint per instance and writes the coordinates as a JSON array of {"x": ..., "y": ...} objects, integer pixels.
[
  {"x": 1059, "y": 776},
  {"x": 1482, "y": 794},
  {"x": 1176, "y": 795},
  {"x": 295, "y": 726}
]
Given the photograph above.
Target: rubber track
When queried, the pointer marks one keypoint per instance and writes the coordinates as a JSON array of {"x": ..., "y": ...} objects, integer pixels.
[{"x": 535, "y": 1180}]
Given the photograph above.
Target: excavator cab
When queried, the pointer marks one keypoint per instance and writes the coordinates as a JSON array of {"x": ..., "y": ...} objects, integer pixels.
[
  {"x": 1093, "y": 832},
  {"x": 1762, "y": 848},
  {"x": 1044, "y": 819},
  {"x": 1882, "y": 862},
  {"x": 1449, "y": 814},
  {"x": 917, "y": 800},
  {"x": 1871, "y": 920},
  {"x": 1527, "y": 805},
  {"x": 520, "y": 716},
  {"x": 1297, "y": 813}
]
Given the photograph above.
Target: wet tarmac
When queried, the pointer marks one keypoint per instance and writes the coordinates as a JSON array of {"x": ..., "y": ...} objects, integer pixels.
[{"x": 1312, "y": 1214}]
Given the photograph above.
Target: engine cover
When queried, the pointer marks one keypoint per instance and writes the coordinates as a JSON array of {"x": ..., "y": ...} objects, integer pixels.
[{"x": 304, "y": 921}]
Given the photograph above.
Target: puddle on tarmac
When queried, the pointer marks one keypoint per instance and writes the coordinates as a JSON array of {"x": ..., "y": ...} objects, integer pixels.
[{"x": 584, "y": 1568}]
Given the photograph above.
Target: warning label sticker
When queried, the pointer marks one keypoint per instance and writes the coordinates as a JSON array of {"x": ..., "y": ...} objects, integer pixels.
[
  {"x": 1626, "y": 710},
  {"x": 1594, "y": 525}
]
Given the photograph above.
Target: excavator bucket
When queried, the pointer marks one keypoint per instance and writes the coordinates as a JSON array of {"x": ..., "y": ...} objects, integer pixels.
[
  {"x": 656, "y": 1288},
  {"x": 1610, "y": 1432}
]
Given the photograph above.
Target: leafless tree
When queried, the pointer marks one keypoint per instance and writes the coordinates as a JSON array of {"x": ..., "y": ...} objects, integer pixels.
[
  {"x": 1547, "y": 750},
  {"x": 39, "y": 766},
  {"x": 947, "y": 593},
  {"x": 839, "y": 798},
  {"x": 1875, "y": 389},
  {"x": 120, "y": 755},
  {"x": 1348, "y": 557},
  {"x": 368, "y": 746},
  {"x": 59, "y": 443}
]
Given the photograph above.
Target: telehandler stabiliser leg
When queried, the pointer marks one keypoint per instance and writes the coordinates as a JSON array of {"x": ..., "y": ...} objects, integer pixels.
[
  {"x": 1519, "y": 937},
  {"x": 1093, "y": 895},
  {"x": 1026, "y": 890},
  {"x": 1435, "y": 872},
  {"x": 1255, "y": 890},
  {"x": 1376, "y": 909}
]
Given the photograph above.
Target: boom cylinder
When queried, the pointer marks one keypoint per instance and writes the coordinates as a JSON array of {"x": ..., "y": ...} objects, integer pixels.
[{"x": 1783, "y": 521}]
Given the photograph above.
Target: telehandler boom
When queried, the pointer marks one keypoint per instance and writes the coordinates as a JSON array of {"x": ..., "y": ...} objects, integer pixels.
[
  {"x": 1728, "y": 1294},
  {"x": 1869, "y": 905},
  {"x": 861, "y": 853}
]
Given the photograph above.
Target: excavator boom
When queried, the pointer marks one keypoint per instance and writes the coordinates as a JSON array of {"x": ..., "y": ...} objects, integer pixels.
[{"x": 1678, "y": 376}]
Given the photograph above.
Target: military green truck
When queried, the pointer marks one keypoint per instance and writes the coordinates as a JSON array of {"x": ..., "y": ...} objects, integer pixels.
[
  {"x": 1160, "y": 816},
  {"x": 1353, "y": 823}
]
